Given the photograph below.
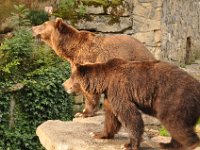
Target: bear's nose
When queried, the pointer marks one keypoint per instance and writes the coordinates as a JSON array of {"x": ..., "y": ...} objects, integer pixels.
[{"x": 33, "y": 31}]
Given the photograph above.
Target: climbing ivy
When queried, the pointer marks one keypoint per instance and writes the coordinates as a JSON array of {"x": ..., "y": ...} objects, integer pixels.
[
  {"x": 25, "y": 61},
  {"x": 70, "y": 9}
]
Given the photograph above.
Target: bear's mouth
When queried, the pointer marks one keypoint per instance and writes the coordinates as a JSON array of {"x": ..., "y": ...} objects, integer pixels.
[
  {"x": 71, "y": 92},
  {"x": 38, "y": 37}
]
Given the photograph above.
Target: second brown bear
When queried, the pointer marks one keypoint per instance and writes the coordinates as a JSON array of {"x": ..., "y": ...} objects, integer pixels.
[{"x": 156, "y": 88}]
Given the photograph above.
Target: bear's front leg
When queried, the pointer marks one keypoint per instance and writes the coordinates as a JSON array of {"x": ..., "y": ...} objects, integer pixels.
[
  {"x": 111, "y": 124},
  {"x": 91, "y": 105}
]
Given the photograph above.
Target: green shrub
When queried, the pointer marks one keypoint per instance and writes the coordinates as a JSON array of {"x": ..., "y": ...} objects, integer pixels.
[
  {"x": 19, "y": 16},
  {"x": 38, "y": 17},
  {"x": 65, "y": 9},
  {"x": 70, "y": 9},
  {"x": 42, "y": 97}
]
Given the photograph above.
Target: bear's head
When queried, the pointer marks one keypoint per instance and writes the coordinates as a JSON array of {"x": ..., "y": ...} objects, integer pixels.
[
  {"x": 52, "y": 32},
  {"x": 92, "y": 77},
  {"x": 71, "y": 87}
]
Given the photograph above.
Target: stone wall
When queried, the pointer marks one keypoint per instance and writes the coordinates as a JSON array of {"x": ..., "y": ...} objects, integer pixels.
[
  {"x": 169, "y": 29},
  {"x": 146, "y": 23},
  {"x": 138, "y": 18},
  {"x": 180, "y": 30},
  {"x": 109, "y": 19}
]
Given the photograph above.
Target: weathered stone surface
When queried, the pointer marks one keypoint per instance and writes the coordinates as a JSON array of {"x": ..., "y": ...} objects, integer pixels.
[
  {"x": 145, "y": 1},
  {"x": 157, "y": 14},
  {"x": 141, "y": 24},
  {"x": 157, "y": 36},
  {"x": 148, "y": 120},
  {"x": 68, "y": 135},
  {"x": 178, "y": 21},
  {"x": 194, "y": 70},
  {"x": 155, "y": 50},
  {"x": 94, "y": 9},
  {"x": 157, "y": 3},
  {"x": 123, "y": 10},
  {"x": 145, "y": 37},
  {"x": 105, "y": 24},
  {"x": 78, "y": 99},
  {"x": 60, "y": 135},
  {"x": 140, "y": 10},
  {"x": 6, "y": 26},
  {"x": 157, "y": 139},
  {"x": 77, "y": 108}
]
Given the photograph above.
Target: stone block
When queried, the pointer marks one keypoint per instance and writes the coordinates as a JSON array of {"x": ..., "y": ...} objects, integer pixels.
[
  {"x": 157, "y": 3},
  {"x": 94, "y": 10},
  {"x": 156, "y": 15},
  {"x": 142, "y": 24},
  {"x": 145, "y": 37},
  {"x": 125, "y": 9},
  {"x": 140, "y": 10},
  {"x": 157, "y": 36},
  {"x": 68, "y": 135},
  {"x": 78, "y": 99},
  {"x": 156, "y": 51},
  {"x": 145, "y": 1},
  {"x": 77, "y": 108},
  {"x": 105, "y": 24}
]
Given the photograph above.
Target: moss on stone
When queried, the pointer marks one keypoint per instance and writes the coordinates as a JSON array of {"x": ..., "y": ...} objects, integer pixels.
[
  {"x": 163, "y": 132},
  {"x": 116, "y": 2},
  {"x": 113, "y": 20},
  {"x": 96, "y": 3},
  {"x": 104, "y": 3}
]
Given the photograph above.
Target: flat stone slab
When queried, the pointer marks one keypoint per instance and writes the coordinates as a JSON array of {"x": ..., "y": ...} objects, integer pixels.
[
  {"x": 74, "y": 135},
  {"x": 60, "y": 135}
]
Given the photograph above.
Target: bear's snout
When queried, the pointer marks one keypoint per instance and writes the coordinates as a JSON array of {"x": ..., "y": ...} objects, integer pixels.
[
  {"x": 34, "y": 31},
  {"x": 69, "y": 90}
]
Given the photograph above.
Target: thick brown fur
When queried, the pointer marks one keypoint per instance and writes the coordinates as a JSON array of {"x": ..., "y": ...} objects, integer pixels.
[
  {"x": 156, "y": 88},
  {"x": 83, "y": 46}
]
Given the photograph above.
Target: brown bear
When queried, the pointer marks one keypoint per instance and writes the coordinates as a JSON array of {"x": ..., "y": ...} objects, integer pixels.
[
  {"x": 83, "y": 46},
  {"x": 156, "y": 88}
]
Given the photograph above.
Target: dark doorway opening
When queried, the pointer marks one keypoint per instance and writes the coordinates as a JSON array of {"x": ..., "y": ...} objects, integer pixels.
[{"x": 188, "y": 50}]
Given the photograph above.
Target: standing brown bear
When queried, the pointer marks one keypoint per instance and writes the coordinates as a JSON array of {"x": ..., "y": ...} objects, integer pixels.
[
  {"x": 156, "y": 88},
  {"x": 83, "y": 46}
]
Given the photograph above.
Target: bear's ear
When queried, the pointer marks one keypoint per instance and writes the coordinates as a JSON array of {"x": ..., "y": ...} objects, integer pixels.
[
  {"x": 60, "y": 25},
  {"x": 80, "y": 68},
  {"x": 59, "y": 21}
]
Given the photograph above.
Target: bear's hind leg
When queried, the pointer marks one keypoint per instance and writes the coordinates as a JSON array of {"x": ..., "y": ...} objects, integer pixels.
[
  {"x": 184, "y": 135},
  {"x": 131, "y": 119}
]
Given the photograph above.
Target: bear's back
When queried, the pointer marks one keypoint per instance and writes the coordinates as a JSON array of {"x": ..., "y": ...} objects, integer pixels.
[
  {"x": 95, "y": 48},
  {"x": 124, "y": 47}
]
